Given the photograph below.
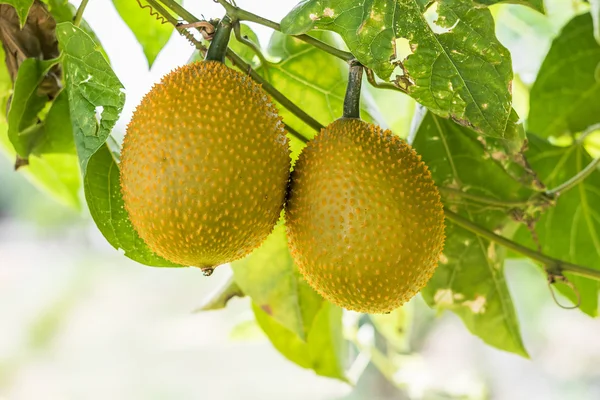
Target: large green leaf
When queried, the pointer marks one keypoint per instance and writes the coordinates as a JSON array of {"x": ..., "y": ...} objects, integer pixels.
[
  {"x": 571, "y": 230},
  {"x": 453, "y": 63},
  {"x": 21, "y": 6},
  {"x": 324, "y": 349},
  {"x": 271, "y": 279},
  {"x": 470, "y": 278},
  {"x": 26, "y": 104},
  {"x": 149, "y": 31},
  {"x": 566, "y": 94},
  {"x": 96, "y": 96},
  {"x": 103, "y": 195}
]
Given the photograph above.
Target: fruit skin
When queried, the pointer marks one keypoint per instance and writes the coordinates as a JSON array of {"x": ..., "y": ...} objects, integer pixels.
[
  {"x": 364, "y": 217},
  {"x": 205, "y": 166}
]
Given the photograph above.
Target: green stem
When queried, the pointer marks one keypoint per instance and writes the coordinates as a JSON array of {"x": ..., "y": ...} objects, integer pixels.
[
  {"x": 484, "y": 199},
  {"x": 352, "y": 99},
  {"x": 276, "y": 94},
  {"x": 553, "y": 265},
  {"x": 245, "y": 41},
  {"x": 577, "y": 179},
  {"x": 296, "y": 134},
  {"x": 79, "y": 13},
  {"x": 243, "y": 15},
  {"x": 218, "y": 46}
]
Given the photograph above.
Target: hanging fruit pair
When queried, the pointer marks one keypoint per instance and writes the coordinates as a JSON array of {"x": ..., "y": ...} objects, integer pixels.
[{"x": 204, "y": 175}]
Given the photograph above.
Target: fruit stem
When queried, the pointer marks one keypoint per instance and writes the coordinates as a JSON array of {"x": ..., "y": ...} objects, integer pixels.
[
  {"x": 79, "y": 14},
  {"x": 218, "y": 46},
  {"x": 554, "y": 267},
  {"x": 352, "y": 99}
]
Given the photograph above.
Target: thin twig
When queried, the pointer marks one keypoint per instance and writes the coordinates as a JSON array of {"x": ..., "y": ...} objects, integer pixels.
[
  {"x": 553, "y": 265},
  {"x": 245, "y": 41},
  {"x": 296, "y": 134},
  {"x": 484, "y": 199},
  {"x": 589, "y": 130},
  {"x": 577, "y": 179},
  {"x": 243, "y": 15}
]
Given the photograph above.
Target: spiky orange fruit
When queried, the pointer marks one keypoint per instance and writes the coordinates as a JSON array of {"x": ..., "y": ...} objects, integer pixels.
[
  {"x": 205, "y": 166},
  {"x": 364, "y": 217}
]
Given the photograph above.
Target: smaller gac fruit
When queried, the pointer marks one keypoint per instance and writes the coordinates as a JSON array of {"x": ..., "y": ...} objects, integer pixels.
[
  {"x": 205, "y": 166},
  {"x": 364, "y": 217}
]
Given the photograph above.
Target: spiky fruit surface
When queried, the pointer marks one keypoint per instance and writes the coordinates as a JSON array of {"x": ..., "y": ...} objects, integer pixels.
[
  {"x": 364, "y": 218},
  {"x": 205, "y": 165}
]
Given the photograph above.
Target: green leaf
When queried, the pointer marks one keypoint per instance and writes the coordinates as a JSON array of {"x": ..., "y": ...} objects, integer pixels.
[
  {"x": 274, "y": 283},
  {"x": 26, "y": 104},
  {"x": 450, "y": 59},
  {"x": 58, "y": 134},
  {"x": 569, "y": 231},
  {"x": 103, "y": 195},
  {"x": 150, "y": 32},
  {"x": 21, "y": 6},
  {"x": 469, "y": 279},
  {"x": 96, "y": 95},
  {"x": 566, "y": 94},
  {"x": 63, "y": 11},
  {"x": 595, "y": 11},
  {"x": 324, "y": 350}
]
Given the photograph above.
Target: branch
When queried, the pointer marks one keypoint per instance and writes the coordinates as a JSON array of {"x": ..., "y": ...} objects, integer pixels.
[
  {"x": 247, "y": 42},
  {"x": 276, "y": 94},
  {"x": 484, "y": 199},
  {"x": 577, "y": 179},
  {"x": 243, "y": 15},
  {"x": 553, "y": 266}
]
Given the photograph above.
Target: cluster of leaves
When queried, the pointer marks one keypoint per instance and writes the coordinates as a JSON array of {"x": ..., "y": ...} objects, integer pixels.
[{"x": 444, "y": 54}]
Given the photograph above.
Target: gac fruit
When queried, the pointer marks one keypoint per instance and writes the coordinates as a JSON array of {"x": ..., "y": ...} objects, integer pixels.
[
  {"x": 364, "y": 217},
  {"x": 205, "y": 166}
]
